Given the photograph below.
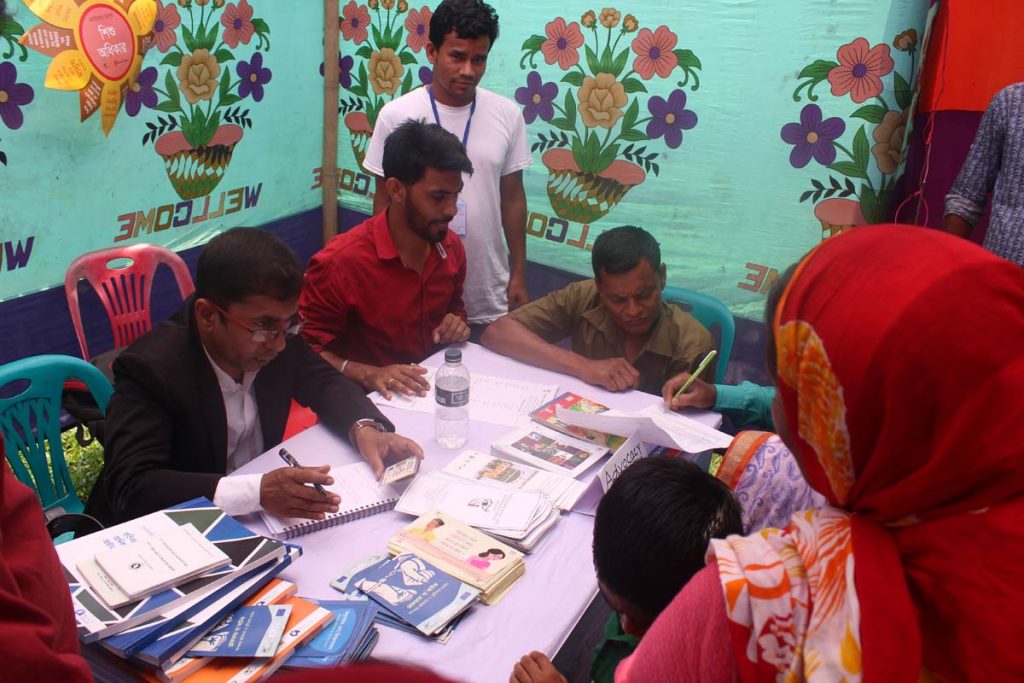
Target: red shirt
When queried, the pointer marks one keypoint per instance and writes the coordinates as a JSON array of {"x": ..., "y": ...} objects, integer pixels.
[
  {"x": 38, "y": 637},
  {"x": 362, "y": 303}
]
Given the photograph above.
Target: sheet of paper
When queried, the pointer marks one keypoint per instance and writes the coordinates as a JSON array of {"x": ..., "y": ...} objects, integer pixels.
[
  {"x": 654, "y": 424},
  {"x": 497, "y": 400},
  {"x": 473, "y": 504}
]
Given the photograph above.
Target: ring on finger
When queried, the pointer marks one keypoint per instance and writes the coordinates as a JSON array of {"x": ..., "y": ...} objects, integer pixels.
[{"x": 388, "y": 385}]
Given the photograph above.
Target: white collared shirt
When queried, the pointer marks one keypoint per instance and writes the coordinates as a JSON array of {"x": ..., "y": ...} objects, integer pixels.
[{"x": 239, "y": 495}]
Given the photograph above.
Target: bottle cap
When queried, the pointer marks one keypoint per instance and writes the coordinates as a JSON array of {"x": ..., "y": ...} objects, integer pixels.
[{"x": 453, "y": 356}]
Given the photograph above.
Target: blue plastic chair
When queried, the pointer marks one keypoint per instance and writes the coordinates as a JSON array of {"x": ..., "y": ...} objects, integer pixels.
[
  {"x": 712, "y": 314},
  {"x": 30, "y": 423}
]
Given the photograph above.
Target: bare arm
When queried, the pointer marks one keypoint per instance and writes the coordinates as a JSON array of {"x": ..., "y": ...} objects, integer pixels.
[
  {"x": 404, "y": 378},
  {"x": 513, "y": 222},
  {"x": 966, "y": 200},
  {"x": 511, "y": 338},
  {"x": 957, "y": 225}
]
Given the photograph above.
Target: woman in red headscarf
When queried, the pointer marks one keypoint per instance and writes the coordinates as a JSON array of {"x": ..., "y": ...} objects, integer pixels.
[{"x": 899, "y": 358}]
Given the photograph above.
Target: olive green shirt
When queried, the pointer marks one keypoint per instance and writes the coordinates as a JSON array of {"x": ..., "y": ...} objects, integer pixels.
[{"x": 677, "y": 342}]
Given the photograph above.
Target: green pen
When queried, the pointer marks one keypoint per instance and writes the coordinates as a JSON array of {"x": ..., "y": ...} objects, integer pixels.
[{"x": 696, "y": 373}]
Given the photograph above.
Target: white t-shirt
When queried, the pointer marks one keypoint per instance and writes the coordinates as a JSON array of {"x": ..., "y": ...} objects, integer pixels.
[{"x": 497, "y": 147}]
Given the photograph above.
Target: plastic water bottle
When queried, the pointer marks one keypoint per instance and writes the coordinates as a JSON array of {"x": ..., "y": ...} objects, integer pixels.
[{"x": 451, "y": 393}]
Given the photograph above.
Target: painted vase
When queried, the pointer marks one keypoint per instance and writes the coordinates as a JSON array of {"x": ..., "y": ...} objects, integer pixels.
[
  {"x": 196, "y": 171},
  {"x": 360, "y": 131},
  {"x": 585, "y": 197}
]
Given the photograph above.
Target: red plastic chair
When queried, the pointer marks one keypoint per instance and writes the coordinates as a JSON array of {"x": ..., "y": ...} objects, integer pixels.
[{"x": 124, "y": 289}]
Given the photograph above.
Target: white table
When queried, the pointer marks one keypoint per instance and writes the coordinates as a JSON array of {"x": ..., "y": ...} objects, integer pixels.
[{"x": 537, "y": 614}]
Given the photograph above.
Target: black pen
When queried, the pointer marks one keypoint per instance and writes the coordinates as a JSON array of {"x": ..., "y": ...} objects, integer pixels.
[{"x": 292, "y": 462}]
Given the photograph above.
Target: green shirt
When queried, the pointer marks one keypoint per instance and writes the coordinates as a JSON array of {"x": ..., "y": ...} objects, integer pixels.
[
  {"x": 748, "y": 404},
  {"x": 677, "y": 342},
  {"x": 613, "y": 648}
]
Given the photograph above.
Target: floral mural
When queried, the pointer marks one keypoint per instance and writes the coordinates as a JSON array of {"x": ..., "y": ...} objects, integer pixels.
[
  {"x": 14, "y": 94},
  {"x": 202, "y": 94},
  {"x": 853, "y": 193},
  {"x": 382, "y": 67},
  {"x": 596, "y": 146}
]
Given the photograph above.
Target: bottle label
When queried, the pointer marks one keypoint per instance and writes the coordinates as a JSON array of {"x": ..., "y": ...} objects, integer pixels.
[{"x": 451, "y": 399}]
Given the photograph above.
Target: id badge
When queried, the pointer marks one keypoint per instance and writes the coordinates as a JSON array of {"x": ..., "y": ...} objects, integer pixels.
[{"x": 458, "y": 224}]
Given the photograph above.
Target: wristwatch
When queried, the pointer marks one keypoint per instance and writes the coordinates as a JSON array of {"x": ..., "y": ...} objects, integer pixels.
[{"x": 364, "y": 422}]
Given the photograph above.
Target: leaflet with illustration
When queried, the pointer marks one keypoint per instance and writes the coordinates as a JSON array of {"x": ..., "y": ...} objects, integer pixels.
[
  {"x": 250, "y": 631},
  {"x": 515, "y": 476},
  {"x": 654, "y": 424},
  {"x": 549, "y": 450},
  {"x": 475, "y": 504}
]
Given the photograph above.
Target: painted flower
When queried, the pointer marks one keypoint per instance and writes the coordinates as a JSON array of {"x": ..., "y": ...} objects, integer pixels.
[
  {"x": 860, "y": 70},
  {"x": 355, "y": 22},
  {"x": 654, "y": 52},
  {"x": 184, "y": 3},
  {"x": 588, "y": 19},
  {"x": 630, "y": 24},
  {"x": 417, "y": 28},
  {"x": 345, "y": 64},
  {"x": 536, "y": 98},
  {"x": 254, "y": 76},
  {"x": 403, "y": 6},
  {"x": 13, "y": 96},
  {"x": 906, "y": 41},
  {"x": 888, "y": 148},
  {"x": 201, "y": 3},
  {"x": 197, "y": 75},
  {"x": 237, "y": 23},
  {"x": 669, "y": 118},
  {"x": 386, "y": 71},
  {"x": 218, "y": 3},
  {"x": 562, "y": 43},
  {"x": 141, "y": 93},
  {"x": 167, "y": 19},
  {"x": 387, "y": 4},
  {"x": 374, "y": 4},
  {"x": 601, "y": 101},
  {"x": 813, "y": 137},
  {"x": 610, "y": 17},
  {"x": 426, "y": 75}
]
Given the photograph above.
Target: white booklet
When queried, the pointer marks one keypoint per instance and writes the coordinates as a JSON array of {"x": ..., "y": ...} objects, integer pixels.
[
  {"x": 130, "y": 572},
  {"x": 509, "y": 512},
  {"x": 515, "y": 476},
  {"x": 654, "y": 424},
  {"x": 549, "y": 450}
]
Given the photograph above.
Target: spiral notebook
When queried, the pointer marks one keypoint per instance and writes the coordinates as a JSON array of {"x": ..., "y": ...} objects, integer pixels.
[{"x": 361, "y": 496}]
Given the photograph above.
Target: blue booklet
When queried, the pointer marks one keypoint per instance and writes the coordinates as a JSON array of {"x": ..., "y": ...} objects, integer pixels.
[
  {"x": 415, "y": 591},
  {"x": 249, "y": 631},
  {"x": 349, "y": 637}
]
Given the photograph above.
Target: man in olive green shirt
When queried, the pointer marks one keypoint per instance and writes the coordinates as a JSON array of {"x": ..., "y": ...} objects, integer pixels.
[{"x": 623, "y": 335}]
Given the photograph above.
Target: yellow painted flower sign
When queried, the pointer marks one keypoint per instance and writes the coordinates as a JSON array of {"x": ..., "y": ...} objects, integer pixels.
[{"x": 97, "y": 48}]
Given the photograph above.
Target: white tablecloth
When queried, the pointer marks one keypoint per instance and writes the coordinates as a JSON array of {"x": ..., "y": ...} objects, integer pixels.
[{"x": 537, "y": 614}]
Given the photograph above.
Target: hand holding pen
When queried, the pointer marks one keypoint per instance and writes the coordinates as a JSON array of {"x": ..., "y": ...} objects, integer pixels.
[
  {"x": 286, "y": 491},
  {"x": 700, "y": 395}
]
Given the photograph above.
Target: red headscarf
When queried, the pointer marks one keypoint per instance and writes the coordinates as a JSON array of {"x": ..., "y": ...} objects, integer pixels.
[{"x": 901, "y": 364}]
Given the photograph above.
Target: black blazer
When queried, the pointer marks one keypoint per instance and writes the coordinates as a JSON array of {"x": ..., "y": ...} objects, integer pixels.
[{"x": 166, "y": 429}]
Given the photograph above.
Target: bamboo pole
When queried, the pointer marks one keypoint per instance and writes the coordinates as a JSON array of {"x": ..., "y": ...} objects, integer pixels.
[{"x": 329, "y": 172}]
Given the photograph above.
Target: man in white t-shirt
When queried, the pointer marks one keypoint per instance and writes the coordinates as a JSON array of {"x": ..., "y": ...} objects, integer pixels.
[{"x": 491, "y": 128}]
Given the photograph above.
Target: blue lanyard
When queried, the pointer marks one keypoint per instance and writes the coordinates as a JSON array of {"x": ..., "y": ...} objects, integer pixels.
[{"x": 437, "y": 117}]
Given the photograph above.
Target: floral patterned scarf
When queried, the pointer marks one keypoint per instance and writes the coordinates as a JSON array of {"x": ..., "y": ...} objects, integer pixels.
[{"x": 900, "y": 357}]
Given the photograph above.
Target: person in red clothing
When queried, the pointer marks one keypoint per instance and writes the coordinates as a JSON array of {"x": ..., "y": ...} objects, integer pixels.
[
  {"x": 38, "y": 638},
  {"x": 384, "y": 295}
]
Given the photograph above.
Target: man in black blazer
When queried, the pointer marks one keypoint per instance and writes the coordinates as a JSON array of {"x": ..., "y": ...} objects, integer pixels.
[{"x": 208, "y": 390}]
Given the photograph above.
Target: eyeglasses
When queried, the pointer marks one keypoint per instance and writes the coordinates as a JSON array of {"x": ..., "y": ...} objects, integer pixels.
[{"x": 262, "y": 335}]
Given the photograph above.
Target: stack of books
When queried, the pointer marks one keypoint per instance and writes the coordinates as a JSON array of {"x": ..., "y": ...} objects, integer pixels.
[
  {"x": 413, "y": 594},
  {"x": 463, "y": 552},
  {"x": 515, "y": 476},
  {"x": 518, "y": 518},
  {"x": 150, "y": 590},
  {"x": 350, "y": 637}
]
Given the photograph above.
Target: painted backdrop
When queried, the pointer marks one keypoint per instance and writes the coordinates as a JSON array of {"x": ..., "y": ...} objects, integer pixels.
[
  {"x": 217, "y": 124},
  {"x": 740, "y": 134}
]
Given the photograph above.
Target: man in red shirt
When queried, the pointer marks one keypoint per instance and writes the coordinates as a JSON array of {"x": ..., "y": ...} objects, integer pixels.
[{"x": 382, "y": 296}]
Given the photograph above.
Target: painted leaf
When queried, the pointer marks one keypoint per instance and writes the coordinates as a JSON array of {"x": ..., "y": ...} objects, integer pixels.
[
  {"x": 168, "y": 107},
  {"x": 633, "y": 135},
  {"x": 229, "y": 99},
  {"x": 861, "y": 149},
  {"x": 407, "y": 82},
  {"x": 848, "y": 168},
  {"x": 171, "y": 86},
  {"x": 407, "y": 58},
  {"x": 592, "y": 61},
  {"x": 869, "y": 205},
  {"x": 364, "y": 52},
  {"x": 562, "y": 123},
  {"x": 904, "y": 95},
  {"x": 620, "y": 62},
  {"x": 223, "y": 55},
  {"x": 261, "y": 26},
  {"x": 605, "y": 64},
  {"x": 574, "y": 78},
  {"x": 632, "y": 85},
  {"x": 210, "y": 39},
  {"x": 378, "y": 39},
  {"x": 570, "y": 111},
  {"x": 818, "y": 70},
  {"x": 533, "y": 43},
  {"x": 190, "y": 40},
  {"x": 172, "y": 59},
  {"x": 225, "y": 81},
  {"x": 629, "y": 118},
  {"x": 872, "y": 113},
  {"x": 687, "y": 60}
]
